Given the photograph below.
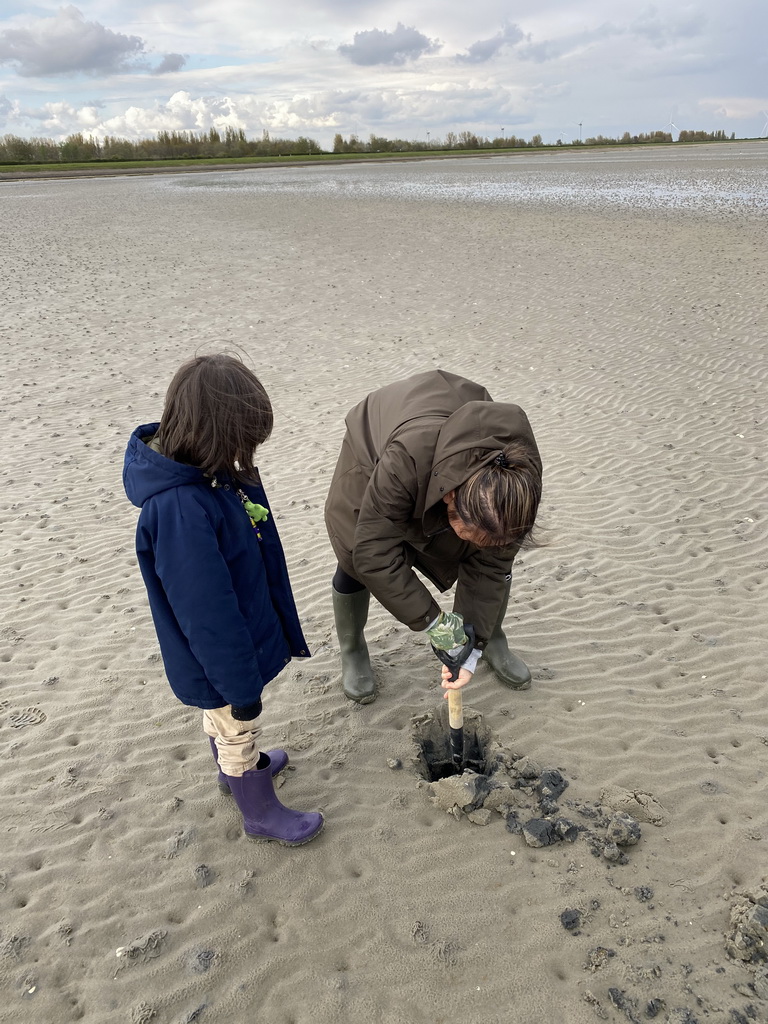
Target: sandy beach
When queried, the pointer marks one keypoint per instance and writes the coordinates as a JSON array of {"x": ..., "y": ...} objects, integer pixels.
[{"x": 634, "y": 336}]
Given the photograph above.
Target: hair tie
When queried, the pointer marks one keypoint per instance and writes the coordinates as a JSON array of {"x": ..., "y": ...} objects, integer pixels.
[{"x": 501, "y": 460}]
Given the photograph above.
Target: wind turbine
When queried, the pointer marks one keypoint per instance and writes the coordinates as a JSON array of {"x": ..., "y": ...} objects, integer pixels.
[
  {"x": 671, "y": 124},
  {"x": 764, "y": 132}
]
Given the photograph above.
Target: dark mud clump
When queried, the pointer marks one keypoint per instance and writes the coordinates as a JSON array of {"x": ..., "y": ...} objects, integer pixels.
[
  {"x": 523, "y": 792},
  {"x": 747, "y": 939}
]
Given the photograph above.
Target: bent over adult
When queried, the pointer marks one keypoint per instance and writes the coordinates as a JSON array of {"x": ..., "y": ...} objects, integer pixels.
[{"x": 433, "y": 475}]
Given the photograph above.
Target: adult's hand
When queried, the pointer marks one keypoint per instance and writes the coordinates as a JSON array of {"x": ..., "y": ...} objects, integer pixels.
[{"x": 454, "y": 684}]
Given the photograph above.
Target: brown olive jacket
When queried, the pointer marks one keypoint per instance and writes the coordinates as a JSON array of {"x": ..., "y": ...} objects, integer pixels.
[{"x": 406, "y": 446}]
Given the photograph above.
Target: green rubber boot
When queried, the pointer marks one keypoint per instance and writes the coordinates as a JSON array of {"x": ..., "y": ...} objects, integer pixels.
[
  {"x": 351, "y": 614},
  {"x": 510, "y": 670}
]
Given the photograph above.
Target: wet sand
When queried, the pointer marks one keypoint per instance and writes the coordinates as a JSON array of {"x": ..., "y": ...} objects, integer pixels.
[{"x": 635, "y": 340}]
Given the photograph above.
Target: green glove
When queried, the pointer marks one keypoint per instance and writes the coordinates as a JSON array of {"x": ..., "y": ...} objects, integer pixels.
[{"x": 448, "y": 631}]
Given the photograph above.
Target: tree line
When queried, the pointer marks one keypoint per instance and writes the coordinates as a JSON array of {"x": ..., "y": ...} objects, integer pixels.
[
  {"x": 78, "y": 148},
  {"x": 232, "y": 142},
  {"x": 684, "y": 136},
  {"x": 453, "y": 140},
  {"x": 469, "y": 140}
]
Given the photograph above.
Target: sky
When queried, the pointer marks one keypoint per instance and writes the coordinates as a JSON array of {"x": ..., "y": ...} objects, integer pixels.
[{"x": 416, "y": 70}]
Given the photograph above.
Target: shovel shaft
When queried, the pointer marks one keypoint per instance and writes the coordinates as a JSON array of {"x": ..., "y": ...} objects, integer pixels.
[
  {"x": 455, "y": 709},
  {"x": 456, "y": 725}
]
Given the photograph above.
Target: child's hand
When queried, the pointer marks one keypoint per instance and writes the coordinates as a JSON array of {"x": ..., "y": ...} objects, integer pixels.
[{"x": 454, "y": 684}]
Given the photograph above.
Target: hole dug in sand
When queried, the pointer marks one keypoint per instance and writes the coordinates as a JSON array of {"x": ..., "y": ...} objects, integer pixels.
[
  {"x": 434, "y": 758},
  {"x": 483, "y": 785},
  {"x": 493, "y": 779}
]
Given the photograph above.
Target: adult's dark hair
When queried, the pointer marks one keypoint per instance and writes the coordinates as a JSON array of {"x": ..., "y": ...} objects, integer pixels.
[
  {"x": 216, "y": 415},
  {"x": 501, "y": 499}
]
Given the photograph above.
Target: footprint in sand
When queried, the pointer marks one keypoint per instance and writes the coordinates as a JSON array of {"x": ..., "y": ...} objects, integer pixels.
[{"x": 27, "y": 716}]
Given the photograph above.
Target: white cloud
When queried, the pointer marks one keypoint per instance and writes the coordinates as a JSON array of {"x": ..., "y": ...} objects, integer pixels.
[
  {"x": 6, "y": 108},
  {"x": 447, "y": 106},
  {"x": 62, "y": 119},
  {"x": 181, "y": 112},
  {"x": 66, "y": 44},
  {"x": 662, "y": 31},
  {"x": 740, "y": 108}
]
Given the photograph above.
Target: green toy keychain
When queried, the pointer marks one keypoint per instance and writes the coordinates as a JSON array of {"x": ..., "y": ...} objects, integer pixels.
[{"x": 256, "y": 513}]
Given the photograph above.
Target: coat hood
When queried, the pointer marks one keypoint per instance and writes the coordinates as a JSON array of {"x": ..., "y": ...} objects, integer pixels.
[
  {"x": 147, "y": 472},
  {"x": 449, "y": 427},
  {"x": 471, "y": 438}
]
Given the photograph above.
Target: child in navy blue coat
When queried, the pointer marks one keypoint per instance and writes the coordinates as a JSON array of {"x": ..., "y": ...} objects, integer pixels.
[{"x": 216, "y": 577}]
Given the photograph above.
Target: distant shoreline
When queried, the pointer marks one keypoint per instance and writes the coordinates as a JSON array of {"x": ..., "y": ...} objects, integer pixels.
[{"x": 197, "y": 166}]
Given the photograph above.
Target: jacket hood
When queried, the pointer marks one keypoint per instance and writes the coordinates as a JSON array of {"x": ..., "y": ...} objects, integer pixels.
[
  {"x": 147, "y": 472},
  {"x": 471, "y": 438}
]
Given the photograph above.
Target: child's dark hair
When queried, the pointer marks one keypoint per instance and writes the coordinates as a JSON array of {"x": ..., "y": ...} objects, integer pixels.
[
  {"x": 216, "y": 415},
  {"x": 501, "y": 500}
]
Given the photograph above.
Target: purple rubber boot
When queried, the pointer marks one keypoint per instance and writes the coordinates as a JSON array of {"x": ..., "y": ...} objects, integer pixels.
[
  {"x": 265, "y": 819},
  {"x": 278, "y": 760}
]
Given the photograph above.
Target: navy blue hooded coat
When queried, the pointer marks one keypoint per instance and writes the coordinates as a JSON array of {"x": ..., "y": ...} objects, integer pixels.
[{"x": 220, "y": 597}]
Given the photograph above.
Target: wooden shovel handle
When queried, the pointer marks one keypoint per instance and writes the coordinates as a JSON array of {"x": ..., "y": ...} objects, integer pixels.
[{"x": 455, "y": 710}]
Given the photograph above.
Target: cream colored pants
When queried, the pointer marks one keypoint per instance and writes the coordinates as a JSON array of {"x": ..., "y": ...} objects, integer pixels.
[{"x": 236, "y": 742}]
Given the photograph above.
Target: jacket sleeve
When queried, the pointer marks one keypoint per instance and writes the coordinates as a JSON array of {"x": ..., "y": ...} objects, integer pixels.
[
  {"x": 482, "y": 586},
  {"x": 198, "y": 586},
  {"x": 379, "y": 549}
]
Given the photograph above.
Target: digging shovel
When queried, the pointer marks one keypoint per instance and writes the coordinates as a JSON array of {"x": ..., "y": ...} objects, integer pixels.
[{"x": 455, "y": 703}]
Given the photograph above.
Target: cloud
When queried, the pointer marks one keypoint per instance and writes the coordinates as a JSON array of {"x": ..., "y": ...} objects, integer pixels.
[
  {"x": 377, "y": 47},
  {"x": 6, "y": 108},
  {"x": 448, "y": 106},
  {"x": 170, "y": 62},
  {"x": 738, "y": 107},
  {"x": 552, "y": 49},
  {"x": 484, "y": 49},
  {"x": 67, "y": 44},
  {"x": 63, "y": 118},
  {"x": 661, "y": 32},
  {"x": 182, "y": 112}
]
